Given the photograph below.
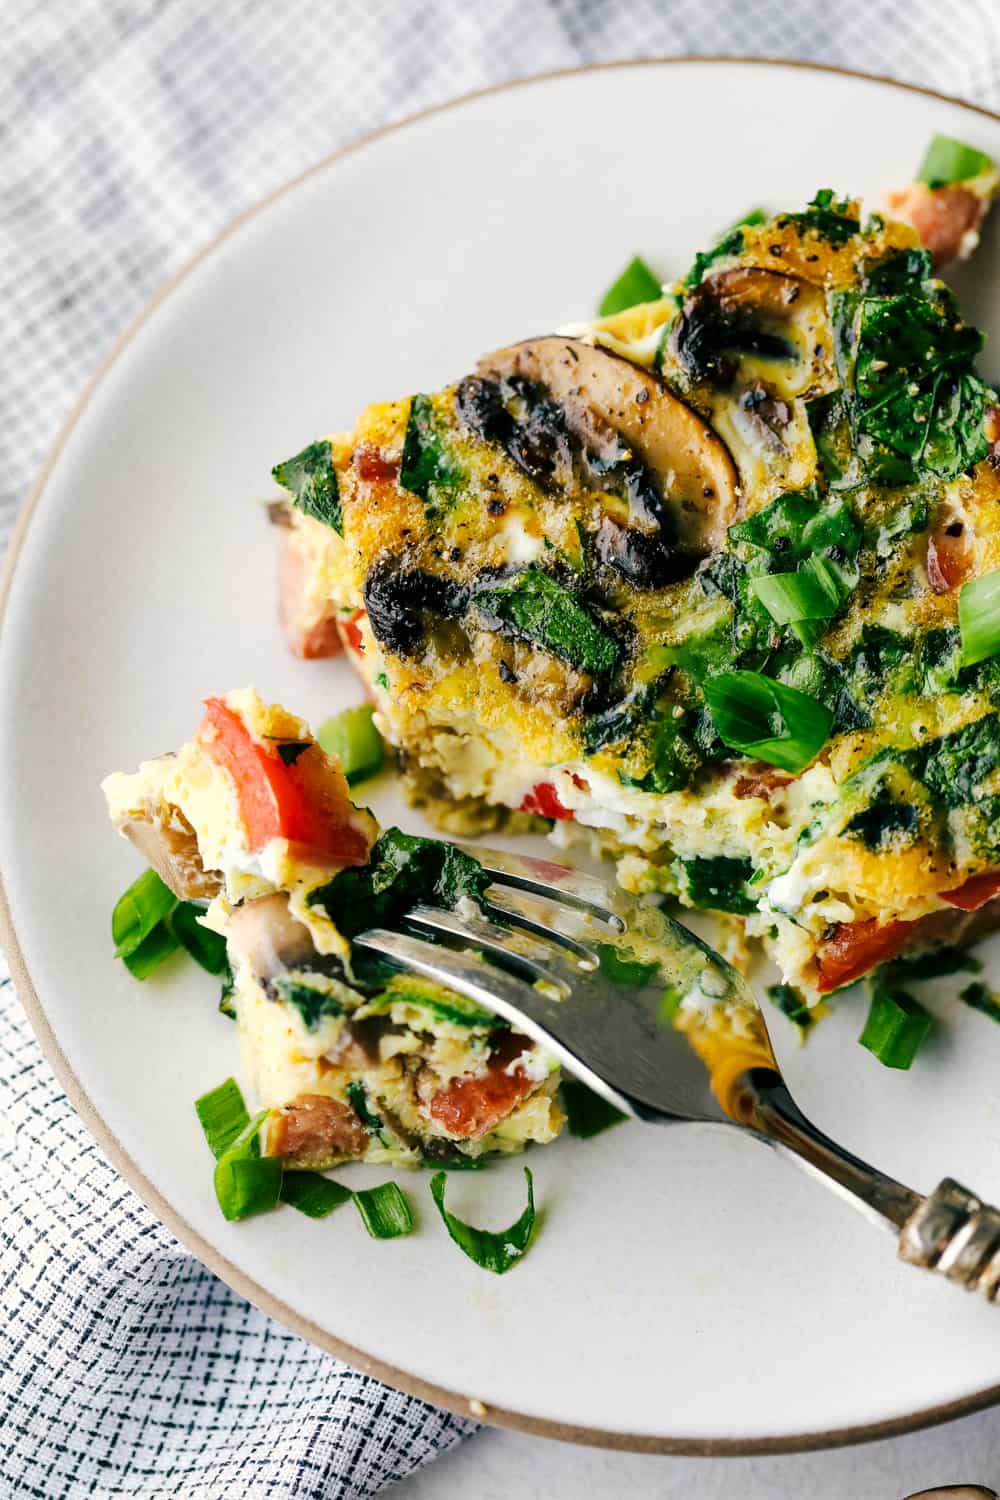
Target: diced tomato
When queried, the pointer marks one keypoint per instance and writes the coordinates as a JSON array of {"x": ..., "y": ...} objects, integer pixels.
[
  {"x": 372, "y": 464},
  {"x": 543, "y": 800},
  {"x": 310, "y": 633},
  {"x": 305, "y": 801},
  {"x": 351, "y": 631},
  {"x": 975, "y": 892},
  {"x": 760, "y": 783},
  {"x": 942, "y": 217},
  {"x": 950, "y": 557},
  {"x": 856, "y": 947},
  {"x": 472, "y": 1107}
]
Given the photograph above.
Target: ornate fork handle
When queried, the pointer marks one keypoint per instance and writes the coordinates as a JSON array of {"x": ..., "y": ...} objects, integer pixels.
[{"x": 950, "y": 1230}]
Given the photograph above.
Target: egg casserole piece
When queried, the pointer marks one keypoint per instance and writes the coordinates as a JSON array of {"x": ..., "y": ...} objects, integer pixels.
[
  {"x": 710, "y": 583},
  {"x": 352, "y": 1060}
]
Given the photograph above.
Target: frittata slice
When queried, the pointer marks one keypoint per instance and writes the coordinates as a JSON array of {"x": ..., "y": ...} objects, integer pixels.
[
  {"x": 353, "y": 1061},
  {"x": 711, "y": 583}
]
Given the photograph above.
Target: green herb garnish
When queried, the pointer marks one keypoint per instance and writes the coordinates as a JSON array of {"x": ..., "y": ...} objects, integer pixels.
[
  {"x": 791, "y": 1004},
  {"x": 223, "y": 1115},
  {"x": 426, "y": 466},
  {"x": 978, "y": 997},
  {"x": 245, "y": 1182},
  {"x": 979, "y": 618},
  {"x": 385, "y": 1211},
  {"x": 636, "y": 284},
  {"x": 208, "y": 948},
  {"x": 138, "y": 924},
  {"x": 313, "y": 1194},
  {"x": 493, "y": 1251},
  {"x": 947, "y": 160},
  {"x": 768, "y": 720},
  {"x": 896, "y": 1026}
]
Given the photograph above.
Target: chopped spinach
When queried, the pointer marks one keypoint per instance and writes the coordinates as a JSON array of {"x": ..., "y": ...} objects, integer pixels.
[
  {"x": 426, "y": 465},
  {"x": 631, "y": 973},
  {"x": 311, "y": 1004},
  {"x": 718, "y": 882},
  {"x": 885, "y": 823},
  {"x": 954, "y": 765},
  {"x": 311, "y": 480},
  {"x": 534, "y": 607},
  {"x": 403, "y": 870},
  {"x": 358, "y": 1097},
  {"x": 826, "y": 216},
  {"x": 587, "y": 1114},
  {"x": 914, "y": 400},
  {"x": 730, "y": 242}
]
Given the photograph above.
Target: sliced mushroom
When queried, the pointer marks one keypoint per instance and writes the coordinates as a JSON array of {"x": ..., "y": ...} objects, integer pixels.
[
  {"x": 404, "y": 602},
  {"x": 265, "y": 936},
  {"x": 678, "y": 477},
  {"x": 166, "y": 840},
  {"x": 751, "y": 311}
]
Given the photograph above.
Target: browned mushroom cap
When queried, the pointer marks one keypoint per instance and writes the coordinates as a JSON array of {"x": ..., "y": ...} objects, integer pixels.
[
  {"x": 601, "y": 393},
  {"x": 163, "y": 835},
  {"x": 749, "y": 311}
]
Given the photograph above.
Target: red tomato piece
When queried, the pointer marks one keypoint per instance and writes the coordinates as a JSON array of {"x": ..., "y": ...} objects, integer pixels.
[
  {"x": 949, "y": 558},
  {"x": 856, "y": 947},
  {"x": 351, "y": 631},
  {"x": 373, "y": 466},
  {"x": 543, "y": 800},
  {"x": 310, "y": 634},
  {"x": 975, "y": 892},
  {"x": 472, "y": 1107},
  {"x": 305, "y": 802}
]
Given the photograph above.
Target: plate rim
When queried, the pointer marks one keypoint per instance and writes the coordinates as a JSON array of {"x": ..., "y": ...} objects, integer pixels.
[{"x": 468, "y": 1406}]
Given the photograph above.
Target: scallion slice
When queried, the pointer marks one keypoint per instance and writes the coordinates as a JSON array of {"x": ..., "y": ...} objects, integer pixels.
[
  {"x": 805, "y": 599},
  {"x": 982, "y": 999},
  {"x": 636, "y": 284},
  {"x": 632, "y": 973},
  {"x": 896, "y": 1027},
  {"x": 223, "y": 1115},
  {"x": 979, "y": 618},
  {"x": 205, "y": 946},
  {"x": 497, "y": 1251},
  {"x": 245, "y": 1182},
  {"x": 769, "y": 720},
  {"x": 385, "y": 1211},
  {"x": 139, "y": 910},
  {"x": 352, "y": 737},
  {"x": 313, "y": 1194},
  {"x": 151, "y": 952},
  {"x": 947, "y": 160},
  {"x": 587, "y": 1114}
]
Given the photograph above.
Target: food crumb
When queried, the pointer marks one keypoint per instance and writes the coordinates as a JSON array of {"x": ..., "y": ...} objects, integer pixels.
[{"x": 477, "y": 1408}]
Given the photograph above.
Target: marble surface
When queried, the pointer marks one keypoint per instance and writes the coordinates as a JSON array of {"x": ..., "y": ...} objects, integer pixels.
[{"x": 497, "y": 1465}]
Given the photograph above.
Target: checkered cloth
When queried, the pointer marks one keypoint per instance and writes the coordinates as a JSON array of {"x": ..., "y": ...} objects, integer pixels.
[{"x": 131, "y": 131}]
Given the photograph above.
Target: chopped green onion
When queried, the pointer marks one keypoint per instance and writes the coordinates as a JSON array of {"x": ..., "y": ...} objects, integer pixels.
[
  {"x": 151, "y": 952},
  {"x": 896, "y": 1027},
  {"x": 806, "y": 599},
  {"x": 385, "y": 1211},
  {"x": 587, "y": 1114},
  {"x": 979, "y": 618},
  {"x": 205, "y": 946},
  {"x": 791, "y": 1004},
  {"x": 459, "y": 1163},
  {"x": 947, "y": 160},
  {"x": 630, "y": 972},
  {"x": 139, "y": 910},
  {"x": 982, "y": 999},
  {"x": 352, "y": 737},
  {"x": 245, "y": 1182},
  {"x": 768, "y": 720},
  {"x": 313, "y": 1194},
  {"x": 495, "y": 1252},
  {"x": 636, "y": 284},
  {"x": 223, "y": 1115}
]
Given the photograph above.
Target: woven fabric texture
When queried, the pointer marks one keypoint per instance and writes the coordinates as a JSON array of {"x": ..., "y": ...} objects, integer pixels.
[{"x": 131, "y": 132}]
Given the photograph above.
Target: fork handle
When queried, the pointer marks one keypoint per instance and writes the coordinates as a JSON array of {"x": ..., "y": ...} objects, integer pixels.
[{"x": 950, "y": 1230}]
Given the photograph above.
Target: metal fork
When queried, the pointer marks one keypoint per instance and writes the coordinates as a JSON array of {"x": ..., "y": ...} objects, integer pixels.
[{"x": 535, "y": 958}]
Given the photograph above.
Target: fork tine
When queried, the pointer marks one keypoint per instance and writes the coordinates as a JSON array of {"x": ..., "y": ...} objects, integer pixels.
[
  {"x": 546, "y": 878},
  {"x": 495, "y": 990},
  {"x": 499, "y": 944},
  {"x": 538, "y": 915}
]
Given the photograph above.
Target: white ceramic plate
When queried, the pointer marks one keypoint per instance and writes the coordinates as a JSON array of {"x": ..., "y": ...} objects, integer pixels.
[{"x": 687, "y": 1290}]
